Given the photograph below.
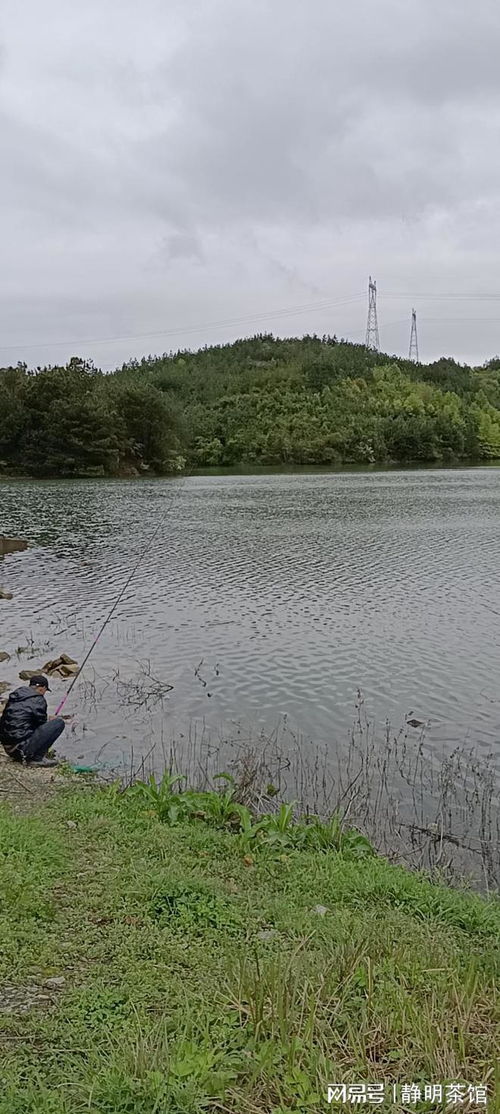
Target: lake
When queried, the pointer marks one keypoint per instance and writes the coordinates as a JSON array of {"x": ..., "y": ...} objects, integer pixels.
[{"x": 262, "y": 597}]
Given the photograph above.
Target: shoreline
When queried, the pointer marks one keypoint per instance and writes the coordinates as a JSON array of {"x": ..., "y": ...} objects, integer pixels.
[
  {"x": 363, "y": 797},
  {"x": 254, "y": 469}
]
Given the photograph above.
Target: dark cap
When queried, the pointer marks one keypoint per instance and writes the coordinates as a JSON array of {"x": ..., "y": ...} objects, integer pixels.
[{"x": 39, "y": 679}]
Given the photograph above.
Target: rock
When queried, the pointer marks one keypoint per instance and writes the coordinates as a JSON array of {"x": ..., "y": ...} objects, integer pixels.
[
  {"x": 267, "y": 934},
  {"x": 5, "y": 686},
  {"x": 27, "y": 674},
  {"x": 415, "y": 723},
  {"x": 11, "y": 545},
  {"x": 4, "y": 656},
  {"x": 5, "y": 595},
  {"x": 71, "y": 824},
  {"x": 56, "y": 982},
  {"x": 63, "y": 666},
  {"x": 19, "y": 999},
  {"x": 321, "y": 910}
]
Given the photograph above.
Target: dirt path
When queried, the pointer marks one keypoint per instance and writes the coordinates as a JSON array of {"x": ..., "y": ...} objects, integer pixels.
[{"x": 25, "y": 788}]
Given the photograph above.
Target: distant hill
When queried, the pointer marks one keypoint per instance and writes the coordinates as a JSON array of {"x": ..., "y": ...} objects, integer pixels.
[{"x": 262, "y": 400}]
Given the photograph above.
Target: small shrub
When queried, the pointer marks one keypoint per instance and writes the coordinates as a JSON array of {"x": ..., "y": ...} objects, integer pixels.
[{"x": 195, "y": 907}]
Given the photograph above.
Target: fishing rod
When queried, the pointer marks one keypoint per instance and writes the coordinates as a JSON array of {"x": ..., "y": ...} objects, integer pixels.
[{"x": 116, "y": 604}]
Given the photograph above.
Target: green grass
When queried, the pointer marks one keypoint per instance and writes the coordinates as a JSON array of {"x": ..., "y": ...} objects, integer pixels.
[{"x": 199, "y": 977}]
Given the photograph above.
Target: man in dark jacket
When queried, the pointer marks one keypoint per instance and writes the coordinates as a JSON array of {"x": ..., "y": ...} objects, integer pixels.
[{"x": 26, "y": 733}]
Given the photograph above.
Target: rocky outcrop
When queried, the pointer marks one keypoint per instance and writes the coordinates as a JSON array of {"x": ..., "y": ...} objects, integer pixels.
[{"x": 63, "y": 667}]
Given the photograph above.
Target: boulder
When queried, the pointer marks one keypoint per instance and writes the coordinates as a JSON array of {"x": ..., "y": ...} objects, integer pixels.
[
  {"x": 4, "y": 656},
  {"x": 11, "y": 545},
  {"x": 5, "y": 595},
  {"x": 63, "y": 666},
  {"x": 4, "y": 687}
]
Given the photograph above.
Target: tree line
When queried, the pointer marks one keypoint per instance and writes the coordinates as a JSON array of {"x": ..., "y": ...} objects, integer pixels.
[{"x": 262, "y": 400}]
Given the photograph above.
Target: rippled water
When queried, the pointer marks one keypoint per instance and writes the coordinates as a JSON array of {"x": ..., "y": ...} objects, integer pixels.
[{"x": 293, "y": 590}]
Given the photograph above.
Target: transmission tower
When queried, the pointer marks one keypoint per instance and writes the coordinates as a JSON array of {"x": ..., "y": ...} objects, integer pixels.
[
  {"x": 372, "y": 337},
  {"x": 414, "y": 338}
]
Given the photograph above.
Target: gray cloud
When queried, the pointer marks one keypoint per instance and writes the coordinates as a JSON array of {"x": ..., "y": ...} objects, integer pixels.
[{"x": 206, "y": 161}]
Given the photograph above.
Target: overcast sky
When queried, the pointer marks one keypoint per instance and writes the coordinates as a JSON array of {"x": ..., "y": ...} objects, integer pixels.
[{"x": 182, "y": 172}]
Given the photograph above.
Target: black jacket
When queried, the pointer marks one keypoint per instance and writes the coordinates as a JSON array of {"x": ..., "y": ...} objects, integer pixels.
[{"x": 25, "y": 710}]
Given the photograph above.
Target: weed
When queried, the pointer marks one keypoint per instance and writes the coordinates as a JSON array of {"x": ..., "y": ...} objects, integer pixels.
[
  {"x": 331, "y": 835},
  {"x": 169, "y": 806},
  {"x": 278, "y": 830},
  {"x": 195, "y": 907}
]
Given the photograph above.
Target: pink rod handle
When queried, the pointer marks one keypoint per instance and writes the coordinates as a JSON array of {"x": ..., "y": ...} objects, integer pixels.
[{"x": 60, "y": 706}]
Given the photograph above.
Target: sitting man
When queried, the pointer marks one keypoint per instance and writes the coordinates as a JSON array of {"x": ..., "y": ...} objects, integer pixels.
[{"x": 26, "y": 733}]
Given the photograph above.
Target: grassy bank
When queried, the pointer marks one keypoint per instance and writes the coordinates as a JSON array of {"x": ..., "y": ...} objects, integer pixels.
[{"x": 194, "y": 972}]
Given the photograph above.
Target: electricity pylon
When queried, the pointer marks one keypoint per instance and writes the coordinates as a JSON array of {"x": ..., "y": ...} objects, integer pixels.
[
  {"x": 414, "y": 338},
  {"x": 372, "y": 337}
]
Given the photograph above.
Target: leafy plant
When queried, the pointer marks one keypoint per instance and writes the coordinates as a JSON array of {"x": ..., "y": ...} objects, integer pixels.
[
  {"x": 195, "y": 906},
  {"x": 279, "y": 831},
  {"x": 276, "y": 829},
  {"x": 330, "y": 835},
  {"x": 169, "y": 806},
  {"x": 221, "y": 807}
]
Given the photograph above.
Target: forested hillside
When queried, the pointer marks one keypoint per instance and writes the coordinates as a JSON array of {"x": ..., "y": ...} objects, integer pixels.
[{"x": 257, "y": 401}]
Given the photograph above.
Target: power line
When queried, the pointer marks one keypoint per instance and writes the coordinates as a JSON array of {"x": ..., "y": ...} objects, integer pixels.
[
  {"x": 269, "y": 315},
  {"x": 447, "y": 297},
  {"x": 462, "y": 319},
  {"x": 371, "y": 336}
]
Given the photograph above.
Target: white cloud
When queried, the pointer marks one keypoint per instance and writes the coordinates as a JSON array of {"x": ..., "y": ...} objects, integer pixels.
[{"x": 169, "y": 166}]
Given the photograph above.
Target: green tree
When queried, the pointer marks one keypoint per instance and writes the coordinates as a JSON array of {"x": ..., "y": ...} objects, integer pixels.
[{"x": 152, "y": 423}]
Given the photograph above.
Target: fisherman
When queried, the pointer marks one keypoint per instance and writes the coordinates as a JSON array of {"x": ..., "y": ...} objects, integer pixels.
[{"x": 26, "y": 732}]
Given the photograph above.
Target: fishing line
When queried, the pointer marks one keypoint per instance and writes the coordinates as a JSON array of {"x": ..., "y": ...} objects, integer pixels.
[{"x": 117, "y": 602}]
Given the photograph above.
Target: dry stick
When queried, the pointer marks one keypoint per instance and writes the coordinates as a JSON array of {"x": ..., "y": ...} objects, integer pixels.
[
  {"x": 18, "y": 780},
  {"x": 440, "y": 837},
  {"x": 133, "y": 771}
]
